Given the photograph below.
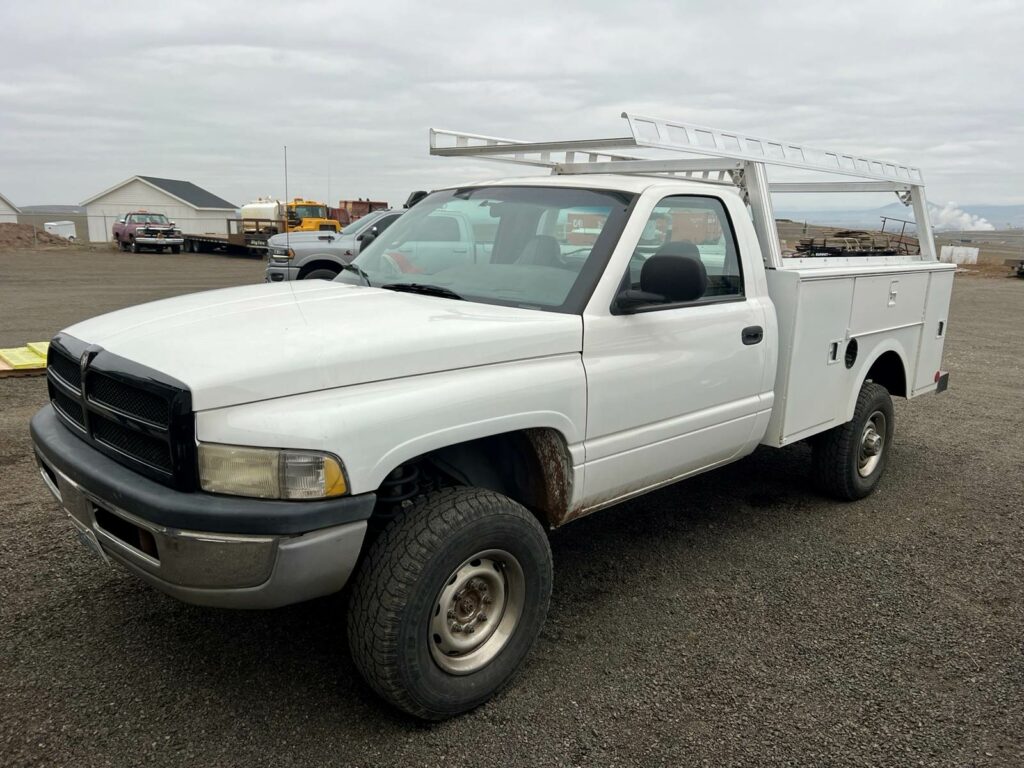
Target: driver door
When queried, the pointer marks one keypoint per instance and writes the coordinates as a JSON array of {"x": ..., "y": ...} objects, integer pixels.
[{"x": 674, "y": 387}]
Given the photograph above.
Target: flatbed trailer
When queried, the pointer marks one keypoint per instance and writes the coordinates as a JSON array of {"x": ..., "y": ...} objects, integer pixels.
[{"x": 245, "y": 237}]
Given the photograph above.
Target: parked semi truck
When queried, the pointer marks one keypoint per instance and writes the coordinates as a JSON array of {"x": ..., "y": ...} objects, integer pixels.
[{"x": 580, "y": 340}]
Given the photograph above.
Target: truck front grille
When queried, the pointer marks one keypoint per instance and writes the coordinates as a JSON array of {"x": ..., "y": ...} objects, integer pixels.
[
  {"x": 153, "y": 451},
  {"x": 129, "y": 401},
  {"x": 137, "y": 416},
  {"x": 66, "y": 368},
  {"x": 68, "y": 407}
]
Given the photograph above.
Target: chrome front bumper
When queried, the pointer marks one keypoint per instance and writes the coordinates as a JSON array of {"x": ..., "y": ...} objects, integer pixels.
[
  {"x": 214, "y": 569},
  {"x": 278, "y": 271},
  {"x": 159, "y": 241},
  {"x": 212, "y": 550}
]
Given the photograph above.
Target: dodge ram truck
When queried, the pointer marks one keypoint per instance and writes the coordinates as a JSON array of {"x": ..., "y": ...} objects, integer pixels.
[
  {"x": 622, "y": 324},
  {"x": 142, "y": 229}
]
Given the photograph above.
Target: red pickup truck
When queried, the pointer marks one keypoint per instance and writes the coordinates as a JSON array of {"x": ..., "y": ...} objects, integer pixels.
[{"x": 141, "y": 229}]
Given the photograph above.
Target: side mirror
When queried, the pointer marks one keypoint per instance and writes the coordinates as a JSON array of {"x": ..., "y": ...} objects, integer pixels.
[
  {"x": 122, "y": 221},
  {"x": 414, "y": 198},
  {"x": 627, "y": 301},
  {"x": 367, "y": 238}
]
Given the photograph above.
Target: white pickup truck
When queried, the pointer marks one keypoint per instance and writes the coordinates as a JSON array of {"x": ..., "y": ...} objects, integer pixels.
[{"x": 414, "y": 427}]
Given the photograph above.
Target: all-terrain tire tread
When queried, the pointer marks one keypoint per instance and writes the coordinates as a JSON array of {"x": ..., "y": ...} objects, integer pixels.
[
  {"x": 389, "y": 572},
  {"x": 832, "y": 449}
]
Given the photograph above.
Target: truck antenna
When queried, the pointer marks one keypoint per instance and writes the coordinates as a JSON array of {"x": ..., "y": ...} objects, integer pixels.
[{"x": 287, "y": 241}]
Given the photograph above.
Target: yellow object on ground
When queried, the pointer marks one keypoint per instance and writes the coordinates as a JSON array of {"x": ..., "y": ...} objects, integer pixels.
[
  {"x": 22, "y": 358},
  {"x": 39, "y": 347}
]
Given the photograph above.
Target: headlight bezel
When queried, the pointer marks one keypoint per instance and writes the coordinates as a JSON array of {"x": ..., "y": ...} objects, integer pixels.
[{"x": 271, "y": 474}]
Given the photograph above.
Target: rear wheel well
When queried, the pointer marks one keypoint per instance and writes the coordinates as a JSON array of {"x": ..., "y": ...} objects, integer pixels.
[
  {"x": 321, "y": 264},
  {"x": 888, "y": 370},
  {"x": 530, "y": 466}
]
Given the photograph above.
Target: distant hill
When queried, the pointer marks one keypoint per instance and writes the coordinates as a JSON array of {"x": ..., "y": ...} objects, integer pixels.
[
  {"x": 966, "y": 217},
  {"x": 69, "y": 210}
]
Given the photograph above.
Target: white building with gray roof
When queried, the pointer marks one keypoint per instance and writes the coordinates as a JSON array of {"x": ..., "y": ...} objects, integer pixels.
[{"x": 193, "y": 209}]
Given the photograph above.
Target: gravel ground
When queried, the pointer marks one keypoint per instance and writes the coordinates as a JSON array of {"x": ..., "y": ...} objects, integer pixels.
[{"x": 735, "y": 619}]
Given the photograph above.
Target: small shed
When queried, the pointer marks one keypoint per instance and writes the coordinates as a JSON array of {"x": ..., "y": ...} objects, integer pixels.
[
  {"x": 192, "y": 208},
  {"x": 8, "y": 211}
]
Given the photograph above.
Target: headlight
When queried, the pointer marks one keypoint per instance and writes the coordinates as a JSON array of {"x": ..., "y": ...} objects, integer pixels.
[
  {"x": 282, "y": 253},
  {"x": 269, "y": 473}
]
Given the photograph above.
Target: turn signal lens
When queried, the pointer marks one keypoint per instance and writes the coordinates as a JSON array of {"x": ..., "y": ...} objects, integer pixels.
[{"x": 307, "y": 475}]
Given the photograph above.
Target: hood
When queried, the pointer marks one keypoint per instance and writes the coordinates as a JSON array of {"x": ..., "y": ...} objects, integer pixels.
[{"x": 239, "y": 345}]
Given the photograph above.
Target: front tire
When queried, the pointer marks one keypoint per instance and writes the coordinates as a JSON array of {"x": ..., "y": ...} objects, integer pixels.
[
  {"x": 320, "y": 274},
  {"x": 849, "y": 460},
  {"x": 135, "y": 247},
  {"x": 449, "y": 600}
]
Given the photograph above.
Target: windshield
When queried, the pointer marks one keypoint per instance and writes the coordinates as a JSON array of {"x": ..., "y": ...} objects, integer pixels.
[
  {"x": 148, "y": 218},
  {"x": 310, "y": 212},
  {"x": 359, "y": 223},
  {"x": 538, "y": 247}
]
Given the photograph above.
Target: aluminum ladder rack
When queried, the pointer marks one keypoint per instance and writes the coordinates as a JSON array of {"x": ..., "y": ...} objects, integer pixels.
[{"x": 724, "y": 157}]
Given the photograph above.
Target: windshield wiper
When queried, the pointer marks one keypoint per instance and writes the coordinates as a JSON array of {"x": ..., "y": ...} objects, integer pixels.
[
  {"x": 358, "y": 270},
  {"x": 425, "y": 288}
]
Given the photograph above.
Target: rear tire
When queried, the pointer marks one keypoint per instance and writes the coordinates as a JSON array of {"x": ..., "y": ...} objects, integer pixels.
[
  {"x": 449, "y": 600},
  {"x": 849, "y": 460}
]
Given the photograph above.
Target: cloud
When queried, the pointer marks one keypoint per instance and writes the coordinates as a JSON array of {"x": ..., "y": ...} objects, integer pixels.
[
  {"x": 96, "y": 92},
  {"x": 950, "y": 217}
]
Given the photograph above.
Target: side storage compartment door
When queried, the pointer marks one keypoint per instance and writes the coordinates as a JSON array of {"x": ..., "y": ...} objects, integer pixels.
[
  {"x": 933, "y": 333},
  {"x": 812, "y": 378}
]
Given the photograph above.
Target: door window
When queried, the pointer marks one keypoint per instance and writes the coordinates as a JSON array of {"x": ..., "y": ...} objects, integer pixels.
[
  {"x": 698, "y": 228},
  {"x": 384, "y": 223}
]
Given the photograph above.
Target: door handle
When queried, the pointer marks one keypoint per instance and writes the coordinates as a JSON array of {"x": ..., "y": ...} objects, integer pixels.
[{"x": 752, "y": 334}]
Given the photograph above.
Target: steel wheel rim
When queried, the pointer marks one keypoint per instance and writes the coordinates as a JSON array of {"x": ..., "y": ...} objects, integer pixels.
[
  {"x": 477, "y": 611},
  {"x": 872, "y": 444}
]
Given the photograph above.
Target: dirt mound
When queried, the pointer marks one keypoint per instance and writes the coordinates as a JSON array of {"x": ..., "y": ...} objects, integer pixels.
[{"x": 20, "y": 236}]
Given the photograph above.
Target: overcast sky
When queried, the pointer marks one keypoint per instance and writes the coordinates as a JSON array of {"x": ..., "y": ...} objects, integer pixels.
[{"x": 92, "y": 93}]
